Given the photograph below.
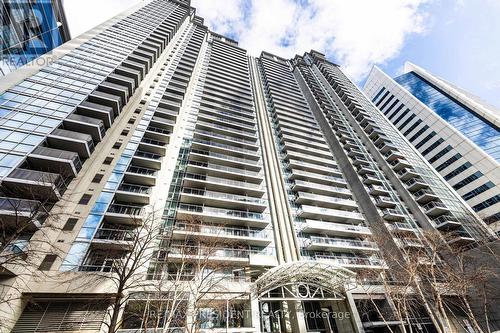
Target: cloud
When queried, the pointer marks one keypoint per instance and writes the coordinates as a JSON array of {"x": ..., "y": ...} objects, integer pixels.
[{"x": 355, "y": 34}]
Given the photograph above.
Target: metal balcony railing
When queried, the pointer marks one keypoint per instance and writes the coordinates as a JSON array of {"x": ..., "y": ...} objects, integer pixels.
[
  {"x": 142, "y": 171},
  {"x": 224, "y": 146},
  {"x": 134, "y": 188},
  {"x": 222, "y": 181},
  {"x": 154, "y": 142},
  {"x": 226, "y": 137},
  {"x": 115, "y": 234},
  {"x": 226, "y": 157},
  {"x": 350, "y": 260},
  {"x": 126, "y": 209},
  {"x": 145, "y": 154},
  {"x": 222, "y": 212},
  {"x": 223, "y": 231},
  {"x": 343, "y": 242},
  {"x": 223, "y": 196},
  {"x": 225, "y": 168},
  {"x": 158, "y": 130}
]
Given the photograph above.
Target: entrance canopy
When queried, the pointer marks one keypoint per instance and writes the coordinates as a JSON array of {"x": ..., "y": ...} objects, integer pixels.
[{"x": 330, "y": 278}]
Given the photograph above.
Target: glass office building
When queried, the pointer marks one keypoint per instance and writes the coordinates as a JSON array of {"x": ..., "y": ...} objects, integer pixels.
[
  {"x": 277, "y": 174},
  {"x": 477, "y": 129},
  {"x": 454, "y": 131},
  {"x": 29, "y": 30}
]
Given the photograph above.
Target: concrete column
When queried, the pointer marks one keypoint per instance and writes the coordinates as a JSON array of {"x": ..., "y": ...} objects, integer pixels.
[
  {"x": 296, "y": 321},
  {"x": 355, "y": 318},
  {"x": 255, "y": 313}
]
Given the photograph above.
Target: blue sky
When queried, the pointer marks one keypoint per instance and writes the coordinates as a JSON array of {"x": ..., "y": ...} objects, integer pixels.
[
  {"x": 458, "y": 40},
  {"x": 461, "y": 44}
]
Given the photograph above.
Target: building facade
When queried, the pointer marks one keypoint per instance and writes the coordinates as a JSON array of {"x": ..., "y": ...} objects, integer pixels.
[
  {"x": 30, "y": 29},
  {"x": 454, "y": 131},
  {"x": 157, "y": 176}
]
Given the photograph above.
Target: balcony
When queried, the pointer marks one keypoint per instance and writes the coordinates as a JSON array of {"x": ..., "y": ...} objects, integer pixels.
[
  {"x": 222, "y": 199},
  {"x": 386, "y": 147},
  {"x": 435, "y": 208},
  {"x": 336, "y": 229},
  {"x": 392, "y": 215},
  {"x": 223, "y": 215},
  {"x": 140, "y": 175},
  {"x": 359, "y": 160},
  {"x": 329, "y": 214},
  {"x": 365, "y": 170},
  {"x": 126, "y": 214},
  {"x": 155, "y": 146},
  {"x": 114, "y": 239},
  {"x": 407, "y": 174},
  {"x": 409, "y": 243},
  {"x": 393, "y": 156},
  {"x": 377, "y": 190},
  {"x": 16, "y": 213},
  {"x": 232, "y": 234},
  {"x": 424, "y": 196},
  {"x": 352, "y": 262},
  {"x": 300, "y": 165},
  {"x": 228, "y": 160},
  {"x": 399, "y": 164},
  {"x": 88, "y": 125},
  {"x": 460, "y": 238},
  {"x": 33, "y": 184},
  {"x": 300, "y": 185},
  {"x": 80, "y": 143},
  {"x": 330, "y": 180},
  {"x": 225, "y": 149},
  {"x": 371, "y": 180},
  {"x": 147, "y": 159},
  {"x": 229, "y": 255},
  {"x": 220, "y": 184},
  {"x": 158, "y": 133},
  {"x": 385, "y": 202},
  {"x": 315, "y": 243},
  {"x": 401, "y": 227},
  {"x": 67, "y": 163},
  {"x": 220, "y": 170},
  {"x": 415, "y": 184},
  {"x": 97, "y": 111},
  {"x": 355, "y": 152},
  {"x": 446, "y": 222},
  {"x": 133, "y": 193},
  {"x": 324, "y": 201}
]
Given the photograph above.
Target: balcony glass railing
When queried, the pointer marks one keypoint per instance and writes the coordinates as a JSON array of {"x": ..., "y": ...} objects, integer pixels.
[
  {"x": 343, "y": 242},
  {"x": 434, "y": 204},
  {"x": 126, "y": 209},
  {"x": 158, "y": 130},
  {"x": 134, "y": 188},
  {"x": 153, "y": 142},
  {"x": 145, "y": 154},
  {"x": 226, "y": 137},
  {"x": 350, "y": 260},
  {"x": 142, "y": 171},
  {"x": 224, "y": 146},
  {"x": 226, "y": 157},
  {"x": 223, "y": 231},
  {"x": 222, "y": 181},
  {"x": 444, "y": 218},
  {"x": 115, "y": 234},
  {"x": 225, "y": 128},
  {"x": 225, "y": 168},
  {"x": 223, "y": 196},
  {"x": 224, "y": 213}
]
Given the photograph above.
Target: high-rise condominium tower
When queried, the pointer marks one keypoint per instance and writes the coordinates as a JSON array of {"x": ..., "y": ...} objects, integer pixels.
[
  {"x": 458, "y": 134},
  {"x": 29, "y": 30},
  {"x": 157, "y": 176}
]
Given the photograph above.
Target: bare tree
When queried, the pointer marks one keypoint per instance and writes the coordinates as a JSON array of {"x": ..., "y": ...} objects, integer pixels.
[
  {"x": 438, "y": 278},
  {"x": 188, "y": 273}
]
